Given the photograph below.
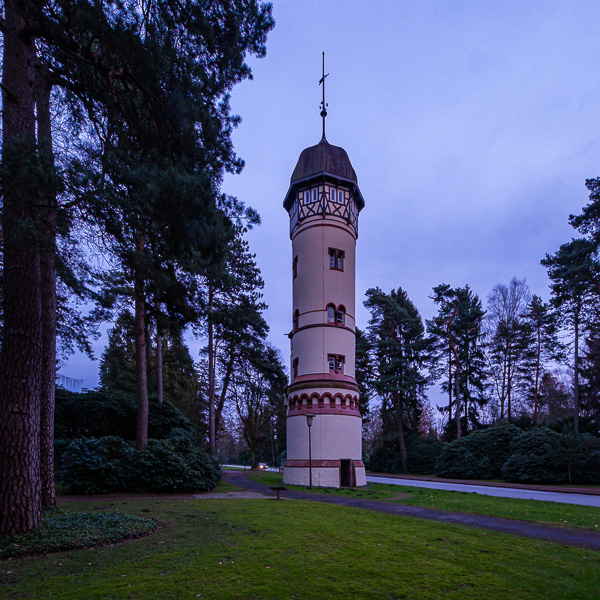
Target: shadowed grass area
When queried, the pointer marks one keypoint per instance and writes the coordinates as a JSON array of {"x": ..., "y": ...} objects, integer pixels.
[
  {"x": 538, "y": 511},
  {"x": 62, "y": 530},
  {"x": 265, "y": 549}
]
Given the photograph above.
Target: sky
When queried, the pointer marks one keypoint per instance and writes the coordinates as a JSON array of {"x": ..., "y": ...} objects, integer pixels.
[{"x": 471, "y": 125}]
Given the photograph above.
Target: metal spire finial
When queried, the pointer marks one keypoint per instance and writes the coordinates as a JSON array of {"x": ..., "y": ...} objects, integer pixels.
[{"x": 323, "y": 104}]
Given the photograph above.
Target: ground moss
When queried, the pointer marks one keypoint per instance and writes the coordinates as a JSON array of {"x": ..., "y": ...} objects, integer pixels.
[{"x": 64, "y": 530}]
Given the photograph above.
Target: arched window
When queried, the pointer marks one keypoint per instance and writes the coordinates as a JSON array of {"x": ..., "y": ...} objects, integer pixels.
[
  {"x": 340, "y": 316},
  {"x": 330, "y": 313},
  {"x": 296, "y": 319}
]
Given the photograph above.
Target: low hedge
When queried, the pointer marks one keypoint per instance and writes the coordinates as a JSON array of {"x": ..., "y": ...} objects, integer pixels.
[{"x": 111, "y": 464}]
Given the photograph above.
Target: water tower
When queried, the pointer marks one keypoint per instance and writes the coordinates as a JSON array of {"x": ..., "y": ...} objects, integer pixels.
[{"x": 323, "y": 203}]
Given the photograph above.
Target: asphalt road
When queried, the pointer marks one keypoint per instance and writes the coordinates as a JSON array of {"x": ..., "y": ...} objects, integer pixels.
[{"x": 502, "y": 492}]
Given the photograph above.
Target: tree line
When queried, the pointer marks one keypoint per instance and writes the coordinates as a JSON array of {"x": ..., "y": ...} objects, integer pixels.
[
  {"x": 517, "y": 359},
  {"x": 116, "y": 134}
]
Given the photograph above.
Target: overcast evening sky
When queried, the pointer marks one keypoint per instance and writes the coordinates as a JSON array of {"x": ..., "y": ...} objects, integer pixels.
[{"x": 471, "y": 125}]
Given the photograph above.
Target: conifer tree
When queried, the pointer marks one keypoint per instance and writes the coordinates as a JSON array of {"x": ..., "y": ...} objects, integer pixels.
[
  {"x": 573, "y": 272},
  {"x": 148, "y": 84},
  {"x": 459, "y": 324},
  {"x": 21, "y": 352},
  {"x": 547, "y": 348},
  {"x": 400, "y": 351}
]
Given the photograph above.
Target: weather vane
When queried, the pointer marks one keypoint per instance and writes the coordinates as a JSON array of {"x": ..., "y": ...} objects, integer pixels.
[{"x": 323, "y": 104}]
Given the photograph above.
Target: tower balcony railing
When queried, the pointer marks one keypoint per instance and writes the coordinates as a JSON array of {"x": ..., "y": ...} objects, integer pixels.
[{"x": 324, "y": 206}]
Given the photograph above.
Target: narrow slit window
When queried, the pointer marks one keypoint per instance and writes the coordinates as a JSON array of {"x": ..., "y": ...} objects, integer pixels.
[
  {"x": 295, "y": 367},
  {"x": 295, "y": 267}
]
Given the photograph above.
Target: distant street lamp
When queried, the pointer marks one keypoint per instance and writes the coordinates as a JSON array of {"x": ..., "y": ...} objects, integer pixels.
[{"x": 309, "y": 421}]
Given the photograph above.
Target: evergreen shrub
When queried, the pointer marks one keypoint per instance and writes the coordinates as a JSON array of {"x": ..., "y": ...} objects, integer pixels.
[
  {"x": 536, "y": 458},
  {"x": 421, "y": 455},
  {"x": 458, "y": 461},
  {"x": 480, "y": 455},
  {"x": 111, "y": 464},
  {"x": 98, "y": 414},
  {"x": 587, "y": 470}
]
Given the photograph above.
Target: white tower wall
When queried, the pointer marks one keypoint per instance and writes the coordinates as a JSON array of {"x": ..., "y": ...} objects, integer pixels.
[{"x": 323, "y": 202}]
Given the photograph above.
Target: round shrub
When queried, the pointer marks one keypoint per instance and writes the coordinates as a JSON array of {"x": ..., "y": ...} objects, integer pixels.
[
  {"x": 535, "y": 458},
  {"x": 96, "y": 466},
  {"x": 458, "y": 462},
  {"x": 480, "y": 455}
]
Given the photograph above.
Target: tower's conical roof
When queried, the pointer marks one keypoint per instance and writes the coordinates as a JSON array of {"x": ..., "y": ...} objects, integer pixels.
[{"x": 324, "y": 158}]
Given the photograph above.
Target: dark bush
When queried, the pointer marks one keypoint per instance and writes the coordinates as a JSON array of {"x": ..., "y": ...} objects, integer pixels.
[
  {"x": 97, "y": 466},
  {"x": 587, "y": 470},
  {"x": 384, "y": 460},
  {"x": 535, "y": 458},
  {"x": 110, "y": 464},
  {"x": 421, "y": 454},
  {"x": 98, "y": 414},
  {"x": 480, "y": 455},
  {"x": 457, "y": 461}
]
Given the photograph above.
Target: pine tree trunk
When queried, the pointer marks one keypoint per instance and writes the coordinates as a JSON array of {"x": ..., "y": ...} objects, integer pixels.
[
  {"x": 402, "y": 443},
  {"x": 159, "y": 369},
  {"x": 224, "y": 388},
  {"x": 21, "y": 353},
  {"x": 211, "y": 373},
  {"x": 450, "y": 386},
  {"x": 141, "y": 434},
  {"x": 503, "y": 388},
  {"x": 536, "y": 393},
  {"x": 576, "y": 373},
  {"x": 48, "y": 294},
  {"x": 458, "y": 407},
  {"x": 508, "y": 389}
]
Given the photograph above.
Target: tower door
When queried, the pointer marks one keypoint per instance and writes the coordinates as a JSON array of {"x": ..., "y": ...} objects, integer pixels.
[{"x": 347, "y": 478}]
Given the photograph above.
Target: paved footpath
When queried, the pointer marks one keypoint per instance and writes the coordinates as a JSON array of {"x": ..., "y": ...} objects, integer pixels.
[
  {"x": 558, "y": 535},
  {"x": 581, "y": 496}
]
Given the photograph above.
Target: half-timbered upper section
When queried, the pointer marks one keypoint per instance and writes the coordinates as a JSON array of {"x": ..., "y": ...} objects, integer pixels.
[{"x": 323, "y": 183}]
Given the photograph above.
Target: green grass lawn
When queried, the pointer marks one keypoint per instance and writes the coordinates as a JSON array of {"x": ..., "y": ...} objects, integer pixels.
[
  {"x": 567, "y": 515},
  {"x": 263, "y": 549}
]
